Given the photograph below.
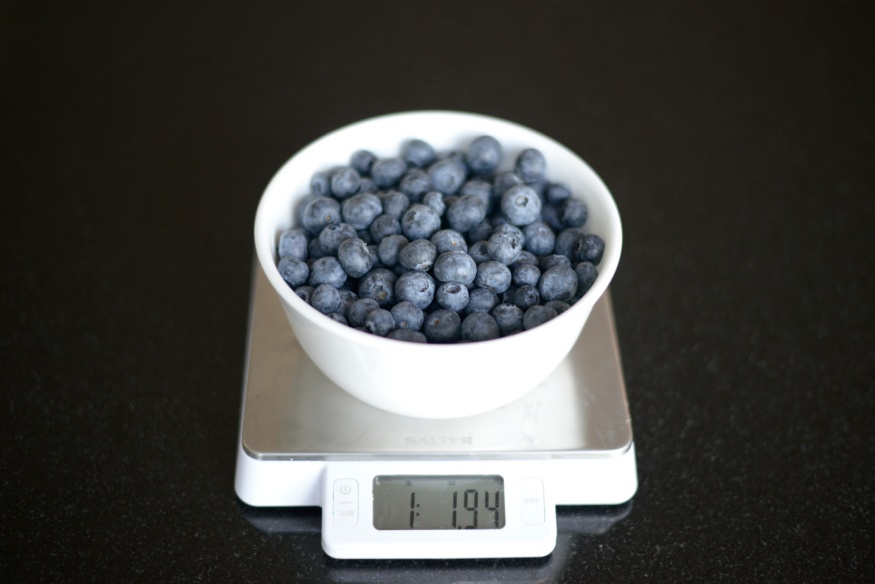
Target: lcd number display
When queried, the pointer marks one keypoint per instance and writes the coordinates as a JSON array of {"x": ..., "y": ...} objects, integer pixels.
[{"x": 438, "y": 502}]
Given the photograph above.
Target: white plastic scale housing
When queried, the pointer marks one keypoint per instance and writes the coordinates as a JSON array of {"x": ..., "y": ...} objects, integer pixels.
[{"x": 305, "y": 442}]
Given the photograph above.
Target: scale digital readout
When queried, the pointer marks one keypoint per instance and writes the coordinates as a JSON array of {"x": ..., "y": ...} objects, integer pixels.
[{"x": 393, "y": 487}]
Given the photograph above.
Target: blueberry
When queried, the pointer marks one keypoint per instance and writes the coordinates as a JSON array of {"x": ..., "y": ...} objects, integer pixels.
[
  {"x": 314, "y": 250},
  {"x": 435, "y": 200},
  {"x": 345, "y": 182},
  {"x": 358, "y": 311},
  {"x": 419, "y": 254},
  {"x": 504, "y": 247},
  {"x": 455, "y": 266},
  {"x": 493, "y": 276},
  {"x": 526, "y": 296},
  {"x": 452, "y": 296},
  {"x": 304, "y": 292},
  {"x": 550, "y": 216},
  {"x": 420, "y": 222},
  {"x": 590, "y": 248},
  {"x": 394, "y": 203},
  {"x": 386, "y": 172},
  {"x": 418, "y": 153},
  {"x": 558, "y": 283},
  {"x": 415, "y": 183},
  {"x": 374, "y": 251},
  {"x": 479, "y": 188},
  {"x": 415, "y": 287},
  {"x": 573, "y": 213},
  {"x": 483, "y": 155},
  {"x": 449, "y": 240},
  {"x": 295, "y": 272},
  {"x": 347, "y": 297},
  {"x": 320, "y": 184},
  {"x": 443, "y": 326},
  {"x": 520, "y": 205},
  {"x": 509, "y": 318},
  {"x": 338, "y": 317},
  {"x": 319, "y": 212},
  {"x": 361, "y": 209},
  {"x": 504, "y": 181},
  {"x": 566, "y": 240},
  {"x": 293, "y": 243},
  {"x": 482, "y": 230},
  {"x": 327, "y": 270},
  {"x": 333, "y": 235},
  {"x": 389, "y": 249},
  {"x": 526, "y": 257},
  {"x": 407, "y": 315},
  {"x": 379, "y": 284},
  {"x": 479, "y": 326},
  {"x": 556, "y": 193},
  {"x": 384, "y": 226},
  {"x": 479, "y": 251},
  {"x": 355, "y": 257},
  {"x": 539, "y": 239},
  {"x": 408, "y": 335},
  {"x": 466, "y": 212},
  {"x": 558, "y": 305},
  {"x": 538, "y": 315},
  {"x": 361, "y": 161},
  {"x": 586, "y": 276},
  {"x": 548, "y": 261},
  {"x": 526, "y": 274},
  {"x": 481, "y": 300},
  {"x": 367, "y": 185},
  {"x": 380, "y": 322},
  {"x": 447, "y": 176},
  {"x": 504, "y": 227},
  {"x": 325, "y": 298},
  {"x": 507, "y": 297},
  {"x": 530, "y": 165}
]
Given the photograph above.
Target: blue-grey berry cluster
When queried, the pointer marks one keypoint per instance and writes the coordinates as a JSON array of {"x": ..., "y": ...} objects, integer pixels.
[{"x": 440, "y": 247}]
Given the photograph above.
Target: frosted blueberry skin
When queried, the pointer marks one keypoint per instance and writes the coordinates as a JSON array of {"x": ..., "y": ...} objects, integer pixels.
[
  {"x": 333, "y": 235},
  {"x": 449, "y": 240},
  {"x": 443, "y": 326},
  {"x": 347, "y": 297},
  {"x": 526, "y": 257},
  {"x": 418, "y": 153},
  {"x": 556, "y": 193},
  {"x": 466, "y": 213},
  {"x": 394, "y": 203},
  {"x": 338, "y": 317},
  {"x": 320, "y": 184},
  {"x": 479, "y": 251},
  {"x": 530, "y": 165},
  {"x": 447, "y": 176},
  {"x": 526, "y": 274},
  {"x": 325, "y": 298},
  {"x": 493, "y": 276},
  {"x": 503, "y": 182},
  {"x": 420, "y": 222},
  {"x": 320, "y": 212},
  {"x": 538, "y": 315},
  {"x": 407, "y": 316},
  {"x": 304, "y": 292},
  {"x": 358, "y": 311},
  {"x": 415, "y": 183},
  {"x": 380, "y": 322},
  {"x": 483, "y": 155},
  {"x": 558, "y": 305},
  {"x": 416, "y": 287},
  {"x": 389, "y": 248},
  {"x": 408, "y": 335},
  {"x": 589, "y": 248},
  {"x": 361, "y": 161},
  {"x": 384, "y": 226},
  {"x": 379, "y": 284},
  {"x": 586, "y": 277},
  {"x": 481, "y": 189},
  {"x": 539, "y": 239},
  {"x": 548, "y": 261},
  {"x": 452, "y": 296},
  {"x": 294, "y": 272},
  {"x": 455, "y": 266},
  {"x": 566, "y": 240},
  {"x": 361, "y": 209},
  {"x": 419, "y": 254},
  {"x": 573, "y": 213},
  {"x": 520, "y": 205},
  {"x": 435, "y": 200},
  {"x": 509, "y": 318},
  {"x": 355, "y": 257},
  {"x": 293, "y": 243},
  {"x": 386, "y": 172},
  {"x": 504, "y": 247},
  {"x": 526, "y": 296},
  {"x": 558, "y": 283},
  {"x": 345, "y": 182},
  {"x": 481, "y": 300},
  {"x": 327, "y": 270},
  {"x": 479, "y": 326},
  {"x": 481, "y": 231}
]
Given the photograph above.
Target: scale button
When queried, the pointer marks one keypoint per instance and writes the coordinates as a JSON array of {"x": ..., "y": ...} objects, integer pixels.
[
  {"x": 346, "y": 502},
  {"x": 532, "y": 501}
]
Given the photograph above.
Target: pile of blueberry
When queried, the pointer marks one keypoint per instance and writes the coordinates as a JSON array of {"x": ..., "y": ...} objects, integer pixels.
[{"x": 440, "y": 247}]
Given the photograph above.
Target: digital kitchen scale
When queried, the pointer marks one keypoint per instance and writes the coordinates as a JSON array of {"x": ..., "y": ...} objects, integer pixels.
[{"x": 392, "y": 487}]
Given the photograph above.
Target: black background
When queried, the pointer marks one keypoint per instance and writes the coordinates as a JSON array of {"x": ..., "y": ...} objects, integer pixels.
[{"x": 738, "y": 139}]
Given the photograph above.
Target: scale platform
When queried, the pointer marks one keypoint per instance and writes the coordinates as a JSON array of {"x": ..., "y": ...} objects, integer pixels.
[{"x": 305, "y": 442}]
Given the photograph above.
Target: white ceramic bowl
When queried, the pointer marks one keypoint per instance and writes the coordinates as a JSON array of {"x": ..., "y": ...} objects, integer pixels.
[{"x": 423, "y": 380}]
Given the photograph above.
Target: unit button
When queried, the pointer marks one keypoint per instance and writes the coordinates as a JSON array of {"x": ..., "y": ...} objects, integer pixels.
[
  {"x": 346, "y": 502},
  {"x": 532, "y": 501}
]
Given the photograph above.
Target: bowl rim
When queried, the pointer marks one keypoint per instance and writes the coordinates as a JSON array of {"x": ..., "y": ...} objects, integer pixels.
[{"x": 266, "y": 251}]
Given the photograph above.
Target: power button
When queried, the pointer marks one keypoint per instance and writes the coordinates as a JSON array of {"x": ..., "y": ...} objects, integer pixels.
[{"x": 346, "y": 502}]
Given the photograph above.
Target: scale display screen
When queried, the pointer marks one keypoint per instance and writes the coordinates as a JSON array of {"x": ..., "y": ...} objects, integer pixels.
[{"x": 438, "y": 502}]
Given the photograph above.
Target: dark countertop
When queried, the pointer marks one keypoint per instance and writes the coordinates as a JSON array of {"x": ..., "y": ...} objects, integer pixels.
[{"x": 737, "y": 139}]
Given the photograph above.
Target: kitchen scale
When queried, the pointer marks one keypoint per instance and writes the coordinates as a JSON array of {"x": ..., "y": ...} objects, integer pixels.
[{"x": 392, "y": 487}]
